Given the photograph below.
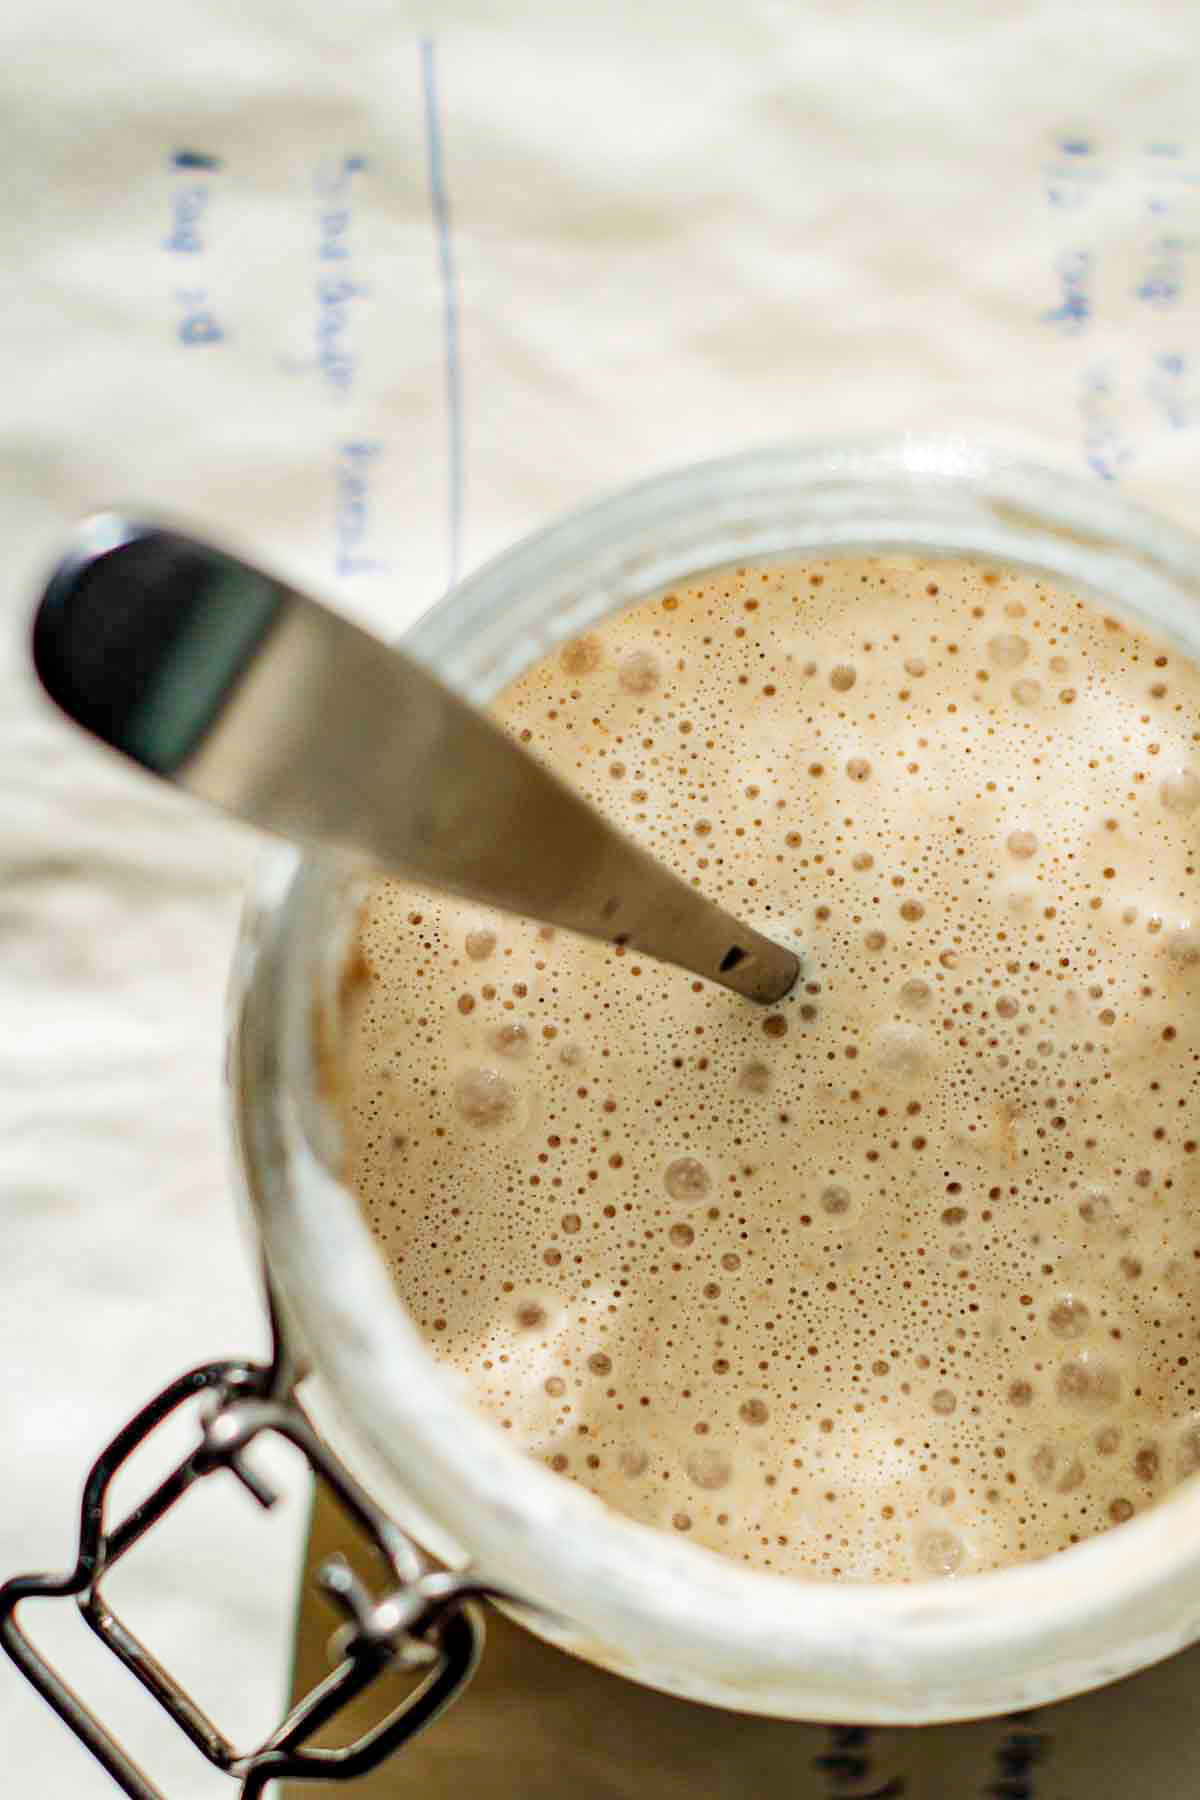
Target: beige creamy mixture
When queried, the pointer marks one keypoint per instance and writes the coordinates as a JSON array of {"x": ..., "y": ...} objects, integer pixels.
[{"x": 900, "y": 1278}]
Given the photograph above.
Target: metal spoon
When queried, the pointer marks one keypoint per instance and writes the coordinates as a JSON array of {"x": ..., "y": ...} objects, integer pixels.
[{"x": 254, "y": 697}]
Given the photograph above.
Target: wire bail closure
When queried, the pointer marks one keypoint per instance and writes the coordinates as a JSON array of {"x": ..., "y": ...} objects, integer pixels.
[{"x": 429, "y": 1620}]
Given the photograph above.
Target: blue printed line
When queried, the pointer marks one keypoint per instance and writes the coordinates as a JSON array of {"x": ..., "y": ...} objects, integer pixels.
[
  {"x": 195, "y": 159},
  {"x": 441, "y": 219}
]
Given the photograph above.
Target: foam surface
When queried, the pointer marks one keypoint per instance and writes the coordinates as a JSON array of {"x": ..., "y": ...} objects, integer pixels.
[{"x": 900, "y": 1278}]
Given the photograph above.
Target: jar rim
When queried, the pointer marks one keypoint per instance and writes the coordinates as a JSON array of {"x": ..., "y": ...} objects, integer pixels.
[{"x": 666, "y": 1611}]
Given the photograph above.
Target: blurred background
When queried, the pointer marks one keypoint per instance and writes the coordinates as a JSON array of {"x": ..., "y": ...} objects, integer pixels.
[{"x": 369, "y": 294}]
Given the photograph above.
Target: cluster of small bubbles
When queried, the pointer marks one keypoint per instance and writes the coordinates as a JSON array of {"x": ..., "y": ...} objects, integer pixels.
[{"x": 900, "y": 1279}]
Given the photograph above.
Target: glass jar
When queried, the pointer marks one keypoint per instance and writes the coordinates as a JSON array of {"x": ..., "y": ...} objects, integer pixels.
[{"x": 642, "y": 1602}]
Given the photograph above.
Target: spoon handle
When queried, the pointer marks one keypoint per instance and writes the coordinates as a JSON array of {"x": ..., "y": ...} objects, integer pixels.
[{"x": 266, "y": 704}]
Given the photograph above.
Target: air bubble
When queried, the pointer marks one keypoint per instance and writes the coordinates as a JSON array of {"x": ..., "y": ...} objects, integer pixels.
[
  {"x": 1088, "y": 1384},
  {"x": 939, "y": 1553},
  {"x": 709, "y": 1468},
  {"x": 902, "y": 1053},
  {"x": 484, "y": 1098},
  {"x": 1008, "y": 651},
  {"x": 583, "y": 657},
  {"x": 1183, "y": 945},
  {"x": 639, "y": 672},
  {"x": 687, "y": 1179},
  {"x": 1180, "y": 791},
  {"x": 1096, "y": 1207},
  {"x": 1069, "y": 1317},
  {"x": 1043, "y": 1463},
  {"x": 1072, "y": 1475},
  {"x": 1187, "y": 1452},
  {"x": 1147, "y": 1463}
]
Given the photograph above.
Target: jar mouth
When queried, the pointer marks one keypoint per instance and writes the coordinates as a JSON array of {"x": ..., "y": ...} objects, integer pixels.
[{"x": 641, "y": 1601}]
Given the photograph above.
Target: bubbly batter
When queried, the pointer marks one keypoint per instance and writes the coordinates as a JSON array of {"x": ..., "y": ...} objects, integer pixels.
[{"x": 899, "y": 1278}]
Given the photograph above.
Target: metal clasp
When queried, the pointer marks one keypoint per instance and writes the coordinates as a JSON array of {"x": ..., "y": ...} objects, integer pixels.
[{"x": 428, "y": 1621}]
